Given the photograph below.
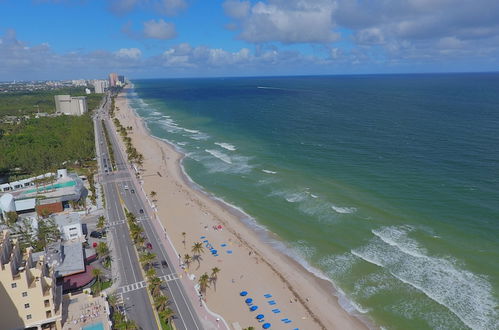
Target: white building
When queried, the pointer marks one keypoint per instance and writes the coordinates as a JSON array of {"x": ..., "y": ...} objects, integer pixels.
[
  {"x": 100, "y": 86},
  {"x": 71, "y": 105},
  {"x": 87, "y": 91},
  {"x": 69, "y": 225}
]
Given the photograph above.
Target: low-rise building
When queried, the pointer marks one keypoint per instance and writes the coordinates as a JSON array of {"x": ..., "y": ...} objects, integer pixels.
[
  {"x": 70, "y": 226},
  {"x": 29, "y": 296}
]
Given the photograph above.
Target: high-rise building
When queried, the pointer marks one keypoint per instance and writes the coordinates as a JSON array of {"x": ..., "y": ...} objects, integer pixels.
[
  {"x": 71, "y": 105},
  {"x": 29, "y": 296},
  {"x": 100, "y": 86},
  {"x": 113, "y": 79}
]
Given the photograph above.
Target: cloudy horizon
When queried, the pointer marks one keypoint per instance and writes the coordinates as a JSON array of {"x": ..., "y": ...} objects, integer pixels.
[{"x": 64, "y": 39}]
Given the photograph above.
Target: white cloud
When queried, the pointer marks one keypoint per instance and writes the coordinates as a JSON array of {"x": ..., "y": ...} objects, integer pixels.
[
  {"x": 159, "y": 30},
  {"x": 236, "y": 9},
  {"x": 291, "y": 21},
  {"x": 171, "y": 7},
  {"x": 132, "y": 53}
]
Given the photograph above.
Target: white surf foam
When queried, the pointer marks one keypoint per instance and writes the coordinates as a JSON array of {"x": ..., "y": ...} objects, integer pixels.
[
  {"x": 190, "y": 130},
  {"x": 269, "y": 172},
  {"x": 465, "y": 294},
  {"x": 220, "y": 155},
  {"x": 343, "y": 210},
  {"x": 226, "y": 146},
  {"x": 199, "y": 136}
]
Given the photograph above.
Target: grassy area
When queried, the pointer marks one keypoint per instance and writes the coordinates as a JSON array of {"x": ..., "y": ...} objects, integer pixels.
[
  {"x": 100, "y": 286},
  {"x": 26, "y": 103}
]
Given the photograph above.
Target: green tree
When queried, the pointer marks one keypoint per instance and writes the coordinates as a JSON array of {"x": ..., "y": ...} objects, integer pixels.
[
  {"x": 161, "y": 302},
  {"x": 48, "y": 232},
  {"x": 166, "y": 315},
  {"x": 214, "y": 276},
  {"x": 11, "y": 218},
  {"x": 102, "y": 249},
  {"x": 203, "y": 282},
  {"x": 152, "y": 194},
  {"x": 147, "y": 259},
  {"x": 101, "y": 223},
  {"x": 155, "y": 285},
  {"x": 197, "y": 249},
  {"x": 187, "y": 260}
]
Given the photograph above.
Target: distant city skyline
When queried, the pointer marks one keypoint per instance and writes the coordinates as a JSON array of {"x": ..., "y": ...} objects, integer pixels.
[{"x": 187, "y": 38}]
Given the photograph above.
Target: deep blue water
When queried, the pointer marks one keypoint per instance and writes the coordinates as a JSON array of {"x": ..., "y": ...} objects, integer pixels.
[{"x": 388, "y": 185}]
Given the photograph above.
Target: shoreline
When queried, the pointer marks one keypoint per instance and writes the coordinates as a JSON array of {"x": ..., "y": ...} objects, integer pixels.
[{"x": 324, "y": 307}]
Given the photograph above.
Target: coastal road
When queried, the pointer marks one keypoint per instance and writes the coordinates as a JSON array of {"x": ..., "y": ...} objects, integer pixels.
[
  {"x": 137, "y": 305},
  {"x": 118, "y": 189}
]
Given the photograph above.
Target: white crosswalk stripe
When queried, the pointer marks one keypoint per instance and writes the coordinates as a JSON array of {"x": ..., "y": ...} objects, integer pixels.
[
  {"x": 132, "y": 287},
  {"x": 170, "y": 277}
]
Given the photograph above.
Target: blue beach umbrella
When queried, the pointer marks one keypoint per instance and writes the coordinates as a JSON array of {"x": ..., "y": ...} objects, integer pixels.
[
  {"x": 260, "y": 316},
  {"x": 243, "y": 293},
  {"x": 214, "y": 251},
  {"x": 266, "y": 325},
  {"x": 248, "y": 301},
  {"x": 253, "y": 308}
]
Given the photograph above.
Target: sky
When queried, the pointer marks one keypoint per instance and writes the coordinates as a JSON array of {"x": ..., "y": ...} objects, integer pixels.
[{"x": 72, "y": 39}]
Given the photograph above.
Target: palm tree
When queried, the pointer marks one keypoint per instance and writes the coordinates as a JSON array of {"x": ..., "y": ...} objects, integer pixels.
[
  {"x": 147, "y": 258},
  {"x": 187, "y": 260},
  {"x": 183, "y": 238},
  {"x": 197, "y": 248},
  {"x": 214, "y": 276},
  {"x": 166, "y": 315},
  {"x": 161, "y": 302},
  {"x": 112, "y": 299},
  {"x": 204, "y": 282},
  {"x": 97, "y": 273},
  {"x": 140, "y": 242},
  {"x": 153, "y": 194},
  {"x": 155, "y": 285},
  {"x": 101, "y": 222},
  {"x": 135, "y": 232},
  {"x": 102, "y": 249},
  {"x": 150, "y": 273}
]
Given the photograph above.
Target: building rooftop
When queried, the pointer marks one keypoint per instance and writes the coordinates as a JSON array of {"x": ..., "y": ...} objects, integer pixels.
[
  {"x": 65, "y": 219},
  {"x": 67, "y": 259}
]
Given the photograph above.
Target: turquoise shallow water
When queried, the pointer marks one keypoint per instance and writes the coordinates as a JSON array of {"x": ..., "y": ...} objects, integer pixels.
[{"x": 386, "y": 185}]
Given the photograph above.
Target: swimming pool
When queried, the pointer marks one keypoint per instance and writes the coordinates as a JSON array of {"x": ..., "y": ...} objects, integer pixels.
[
  {"x": 95, "y": 326},
  {"x": 54, "y": 186}
]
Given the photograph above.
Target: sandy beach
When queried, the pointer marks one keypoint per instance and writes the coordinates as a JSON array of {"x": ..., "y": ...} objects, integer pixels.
[{"x": 246, "y": 263}]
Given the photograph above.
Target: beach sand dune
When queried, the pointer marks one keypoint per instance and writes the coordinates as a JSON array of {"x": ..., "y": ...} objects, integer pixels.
[{"x": 246, "y": 263}]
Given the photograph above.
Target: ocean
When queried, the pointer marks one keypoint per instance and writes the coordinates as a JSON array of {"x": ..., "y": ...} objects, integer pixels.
[{"x": 387, "y": 185}]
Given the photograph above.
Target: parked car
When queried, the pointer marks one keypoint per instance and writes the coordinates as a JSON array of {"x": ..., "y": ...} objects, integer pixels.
[
  {"x": 96, "y": 234},
  {"x": 149, "y": 246}
]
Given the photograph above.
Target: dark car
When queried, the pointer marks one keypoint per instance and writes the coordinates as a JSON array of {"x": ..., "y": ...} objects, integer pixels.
[
  {"x": 132, "y": 191},
  {"x": 149, "y": 246},
  {"x": 164, "y": 263},
  {"x": 96, "y": 234},
  {"x": 141, "y": 211}
]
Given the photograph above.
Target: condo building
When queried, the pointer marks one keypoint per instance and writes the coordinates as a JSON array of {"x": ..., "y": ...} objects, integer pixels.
[
  {"x": 29, "y": 296},
  {"x": 71, "y": 105}
]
